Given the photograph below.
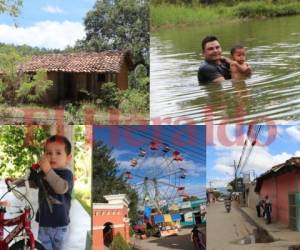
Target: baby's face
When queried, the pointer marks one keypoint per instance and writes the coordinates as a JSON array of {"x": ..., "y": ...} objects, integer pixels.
[
  {"x": 239, "y": 56},
  {"x": 56, "y": 154}
]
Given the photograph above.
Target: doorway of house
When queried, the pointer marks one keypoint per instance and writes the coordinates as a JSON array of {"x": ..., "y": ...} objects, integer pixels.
[
  {"x": 69, "y": 86},
  {"x": 108, "y": 234}
]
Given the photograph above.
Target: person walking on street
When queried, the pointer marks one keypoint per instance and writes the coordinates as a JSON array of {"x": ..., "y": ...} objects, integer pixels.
[
  {"x": 259, "y": 206},
  {"x": 268, "y": 209}
]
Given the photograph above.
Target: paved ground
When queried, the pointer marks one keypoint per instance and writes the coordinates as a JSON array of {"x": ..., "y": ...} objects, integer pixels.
[
  {"x": 226, "y": 231},
  {"x": 181, "y": 241},
  {"x": 80, "y": 219}
]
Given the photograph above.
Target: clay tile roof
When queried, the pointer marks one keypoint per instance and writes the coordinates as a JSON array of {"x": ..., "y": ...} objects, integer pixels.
[
  {"x": 100, "y": 62},
  {"x": 288, "y": 165}
]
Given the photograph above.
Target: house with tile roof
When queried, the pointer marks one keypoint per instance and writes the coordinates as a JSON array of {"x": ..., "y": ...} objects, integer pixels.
[{"x": 75, "y": 74}]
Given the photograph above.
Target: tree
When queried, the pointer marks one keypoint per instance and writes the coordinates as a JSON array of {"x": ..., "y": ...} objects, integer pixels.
[
  {"x": 12, "y": 7},
  {"x": 106, "y": 181},
  {"x": 191, "y": 198},
  {"x": 15, "y": 86},
  {"x": 118, "y": 24},
  {"x": 18, "y": 152}
]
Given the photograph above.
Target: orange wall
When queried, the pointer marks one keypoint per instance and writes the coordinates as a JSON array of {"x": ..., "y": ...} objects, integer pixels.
[
  {"x": 122, "y": 77},
  {"x": 114, "y": 216},
  {"x": 278, "y": 189}
]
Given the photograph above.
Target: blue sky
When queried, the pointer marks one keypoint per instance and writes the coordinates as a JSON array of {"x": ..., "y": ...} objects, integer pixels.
[
  {"x": 49, "y": 24},
  {"x": 220, "y": 158},
  {"x": 189, "y": 140}
]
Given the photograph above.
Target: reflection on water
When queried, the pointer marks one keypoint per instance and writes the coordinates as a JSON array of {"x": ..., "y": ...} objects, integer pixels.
[{"x": 273, "y": 90}]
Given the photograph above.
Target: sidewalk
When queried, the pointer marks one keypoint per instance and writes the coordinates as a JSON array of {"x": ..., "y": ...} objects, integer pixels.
[{"x": 277, "y": 231}]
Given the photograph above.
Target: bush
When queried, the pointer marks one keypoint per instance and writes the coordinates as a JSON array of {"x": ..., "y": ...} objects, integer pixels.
[
  {"x": 133, "y": 101},
  {"x": 109, "y": 95},
  {"x": 260, "y": 9},
  {"x": 32, "y": 90},
  {"x": 139, "y": 79},
  {"x": 119, "y": 243}
]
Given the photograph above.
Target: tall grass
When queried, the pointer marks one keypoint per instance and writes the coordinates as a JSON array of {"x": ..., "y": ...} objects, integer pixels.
[
  {"x": 171, "y": 14},
  {"x": 261, "y": 9}
]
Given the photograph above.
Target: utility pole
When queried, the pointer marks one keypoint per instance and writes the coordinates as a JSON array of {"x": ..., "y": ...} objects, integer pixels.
[{"x": 235, "y": 175}]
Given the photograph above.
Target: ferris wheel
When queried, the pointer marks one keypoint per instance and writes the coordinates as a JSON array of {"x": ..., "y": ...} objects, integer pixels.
[{"x": 158, "y": 175}]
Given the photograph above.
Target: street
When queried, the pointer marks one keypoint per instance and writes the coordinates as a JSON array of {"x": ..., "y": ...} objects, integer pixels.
[
  {"x": 181, "y": 241},
  {"x": 230, "y": 231}
]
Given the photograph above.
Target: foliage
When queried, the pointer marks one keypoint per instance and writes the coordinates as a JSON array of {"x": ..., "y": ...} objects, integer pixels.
[
  {"x": 84, "y": 197},
  {"x": 212, "y": 2},
  {"x": 82, "y": 155},
  {"x": 82, "y": 166},
  {"x": 12, "y": 7},
  {"x": 17, "y": 87},
  {"x": 133, "y": 101},
  {"x": 139, "y": 79},
  {"x": 118, "y": 24},
  {"x": 165, "y": 13},
  {"x": 106, "y": 181},
  {"x": 191, "y": 198},
  {"x": 26, "y": 50},
  {"x": 73, "y": 114},
  {"x": 15, "y": 154},
  {"x": 32, "y": 90},
  {"x": 109, "y": 95},
  {"x": 170, "y": 14},
  {"x": 131, "y": 231},
  {"x": 232, "y": 184},
  {"x": 119, "y": 243},
  {"x": 260, "y": 9},
  {"x": 10, "y": 78}
]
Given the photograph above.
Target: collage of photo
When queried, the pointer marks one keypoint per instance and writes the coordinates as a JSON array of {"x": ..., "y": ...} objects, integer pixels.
[{"x": 149, "y": 125}]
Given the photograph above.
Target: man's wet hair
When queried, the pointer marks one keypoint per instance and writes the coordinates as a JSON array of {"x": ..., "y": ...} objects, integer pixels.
[
  {"x": 236, "y": 47},
  {"x": 208, "y": 39},
  {"x": 60, "y": 139}
]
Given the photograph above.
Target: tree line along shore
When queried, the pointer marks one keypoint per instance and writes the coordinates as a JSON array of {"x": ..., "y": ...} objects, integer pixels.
[{"x": 166, "y": 13}]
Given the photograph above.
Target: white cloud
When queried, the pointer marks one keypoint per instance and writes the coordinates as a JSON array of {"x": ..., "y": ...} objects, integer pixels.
[
  {"x": 218, "y": 182},
  {"x": 294, "y": 131},
  {"x": 116, "y": 153},
  {"x": 52, "y": 9},
  {"x": 47, "y": 34},
  {"x": 260, "y": 160},
  {"x": 225, "y": 135}
]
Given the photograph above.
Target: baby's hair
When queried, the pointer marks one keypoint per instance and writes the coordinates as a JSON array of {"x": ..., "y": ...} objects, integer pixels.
[
  {"x": 236, "y": 47},
  {"x": 61, "y": 139}
]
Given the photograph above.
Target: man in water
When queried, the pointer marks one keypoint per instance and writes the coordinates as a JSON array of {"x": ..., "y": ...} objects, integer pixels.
[{"x": 214, "y": 68}]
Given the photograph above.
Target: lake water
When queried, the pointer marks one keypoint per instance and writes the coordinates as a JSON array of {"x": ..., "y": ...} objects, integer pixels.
[{"x": 273, "y": 91}]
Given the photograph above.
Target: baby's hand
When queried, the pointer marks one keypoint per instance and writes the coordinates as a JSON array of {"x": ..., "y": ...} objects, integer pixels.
[
  {"x": 233, "y": 63},
  {"x": 44, "y": 164}
]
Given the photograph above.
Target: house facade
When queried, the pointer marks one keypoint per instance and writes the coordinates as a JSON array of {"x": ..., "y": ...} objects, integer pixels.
[
  {"x": 109, "y": 219},
  {"x": 282, "y": 184},
  {"x": 76, "y": 75}
]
